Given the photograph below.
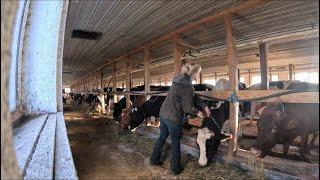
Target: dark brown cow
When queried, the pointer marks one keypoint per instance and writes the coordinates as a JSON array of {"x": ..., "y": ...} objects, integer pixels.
[{"x": 282, "y": 123}]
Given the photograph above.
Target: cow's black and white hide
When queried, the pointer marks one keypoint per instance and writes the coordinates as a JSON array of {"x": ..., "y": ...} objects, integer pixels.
[
  {"x": 120, "y": 105},
  {"x": 150, "y": 108},
  {"x": 209, "y": 143},
  {"x": 77, "y": 98},
  {"x": 91, "y": 103},
  {"x": 209, "y": 139}
]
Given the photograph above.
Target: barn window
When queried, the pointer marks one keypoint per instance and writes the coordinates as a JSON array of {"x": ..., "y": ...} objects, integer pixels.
[
  {"x": 314, "y": 77},
  {"x": 274, "y": 77},
  {"x": 242, "y": 79},
  {"x": 311, "y": 77},
  {"x": 210, "y": 81},
  {"x": 302, "y": 76},
  {"x": 256, "y": 79}
]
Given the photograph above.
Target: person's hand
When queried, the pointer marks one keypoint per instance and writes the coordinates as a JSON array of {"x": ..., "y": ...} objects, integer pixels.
[
  {"x": 207, "y": 111},
  {"x": 200, "y": 114}
]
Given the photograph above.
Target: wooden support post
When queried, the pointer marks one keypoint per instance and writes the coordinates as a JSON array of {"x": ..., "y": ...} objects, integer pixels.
[
  {"x": 146, "y": 75},
  {"x": 215, "y": 77},
  {"x": 101, "y": 80},
  {"x": 263, "y": 65},
  {"x": 128, "y": 84},
  {"x": 249, "y": 72},
  {"x": 176, "y": 56},
  {"x": 147, "y": 69},
  {"x": 270, "y": 77},
  {"x": 200, "y": 78},
  {"x": 102, "y": 100},
  {"x": 233, "y": 78},
  {"x": 252, "y": 111},
  {"x": 114, "y": 82},
  {"x": 290, "y": 72},
  {"x": 294, "y": 72},
  {"x": 239, "y": 75}
]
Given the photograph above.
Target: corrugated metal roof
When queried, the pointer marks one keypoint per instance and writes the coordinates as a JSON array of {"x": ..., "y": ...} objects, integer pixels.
[{"x": 128, "y": 24}]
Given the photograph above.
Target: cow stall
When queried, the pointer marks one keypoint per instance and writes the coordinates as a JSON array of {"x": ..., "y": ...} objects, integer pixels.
[{"x": 274, "y": 164}]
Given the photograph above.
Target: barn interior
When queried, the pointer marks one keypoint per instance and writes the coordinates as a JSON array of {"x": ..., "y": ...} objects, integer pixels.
[{"x": 106, "y": 44}]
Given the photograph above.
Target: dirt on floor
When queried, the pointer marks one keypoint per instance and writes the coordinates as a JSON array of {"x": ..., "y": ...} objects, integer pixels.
[{"x": 99, "y": 152}]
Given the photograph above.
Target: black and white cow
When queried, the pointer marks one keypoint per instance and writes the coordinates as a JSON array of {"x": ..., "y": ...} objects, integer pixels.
[
  {"x": 152, "y": 106},
  {"x": 109, "y": 91},
  {"x": 77, "y": 98},
  {"x": 211, "y": 133},
  {"x": 209, "y": 139},
  {"x": 148, "y": 109},
  {"x": 120, "y": 105}
]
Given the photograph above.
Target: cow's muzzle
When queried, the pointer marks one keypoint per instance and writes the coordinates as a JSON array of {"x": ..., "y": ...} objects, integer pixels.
[{"x": 256, "y": 152}]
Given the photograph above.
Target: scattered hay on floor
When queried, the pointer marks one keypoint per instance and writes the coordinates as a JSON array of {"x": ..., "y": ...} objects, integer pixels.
[{"x": 192, "y": 170}]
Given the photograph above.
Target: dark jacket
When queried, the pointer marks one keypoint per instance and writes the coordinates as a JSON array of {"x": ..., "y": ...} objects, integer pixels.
[{"x": 179, "y": 100}]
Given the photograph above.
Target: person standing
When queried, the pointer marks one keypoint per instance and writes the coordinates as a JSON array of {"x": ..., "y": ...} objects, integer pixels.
[{"x": 179, "y": 101}]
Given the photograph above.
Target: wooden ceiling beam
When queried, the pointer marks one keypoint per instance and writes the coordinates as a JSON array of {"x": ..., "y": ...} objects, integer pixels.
[{"x": 213, "y": 17}]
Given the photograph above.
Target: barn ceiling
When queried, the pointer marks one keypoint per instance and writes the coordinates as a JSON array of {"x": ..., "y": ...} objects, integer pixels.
[{"x": 127, "y": 24}]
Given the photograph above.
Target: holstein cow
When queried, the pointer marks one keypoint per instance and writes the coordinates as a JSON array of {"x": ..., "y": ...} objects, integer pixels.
[
  {"x": 282, "y": 123},
  {"x": 77, "y": 98},
  {"x": 92, "y": 103},
  {"x": 120, "y": 105},
  {"x": 126, "y": 120},
  {"x": 212, "y": 133},
  {"x": 150, "y": 108},
  {"x": 142, "y": 109},
  {"x": 109, "y": 91},
  {"x": 209, "y": 139},
  {"x": 153, "y": 105}
]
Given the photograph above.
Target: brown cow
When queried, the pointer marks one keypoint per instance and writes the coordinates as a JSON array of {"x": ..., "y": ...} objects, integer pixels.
[{"x": 282, "y": 123}]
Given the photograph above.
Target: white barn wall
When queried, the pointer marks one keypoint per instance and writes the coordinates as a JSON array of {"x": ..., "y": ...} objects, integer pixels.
[
  {"x": 39, "y": 60},
  {"x": 13, "y": 78}
]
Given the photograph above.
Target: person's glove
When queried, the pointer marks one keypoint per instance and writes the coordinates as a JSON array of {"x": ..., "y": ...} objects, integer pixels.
[
  {"x": 200, "y": 114},
  {"x": 207, "y": 112}
]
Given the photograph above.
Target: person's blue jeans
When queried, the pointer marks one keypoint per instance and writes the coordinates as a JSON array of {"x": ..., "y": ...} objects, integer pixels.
[{"x": 168, "y": 127}]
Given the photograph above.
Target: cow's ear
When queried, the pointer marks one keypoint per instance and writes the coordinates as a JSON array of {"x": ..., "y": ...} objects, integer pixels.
[{"x": 291, "y": 125}]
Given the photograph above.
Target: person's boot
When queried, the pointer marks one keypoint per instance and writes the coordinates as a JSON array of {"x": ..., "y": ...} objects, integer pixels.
[
  {"x": 177, "y": 171},
  {"x": 155, "y": 163}
]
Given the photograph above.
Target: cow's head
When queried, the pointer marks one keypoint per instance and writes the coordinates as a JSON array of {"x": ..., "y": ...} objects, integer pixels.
[
  {"x": 203, "y": 135},
  {"x": 137, "y": 117},
  {"x": 271, "y": 117},
  {"x": 125, "y": 118},
  {"x": 137, "y": 114}
]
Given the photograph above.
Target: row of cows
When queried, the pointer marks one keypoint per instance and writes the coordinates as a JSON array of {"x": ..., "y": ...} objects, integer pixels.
[{"x": 278, "y": 123}]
